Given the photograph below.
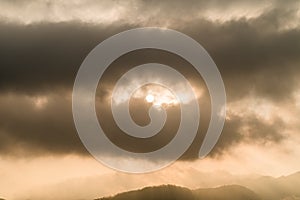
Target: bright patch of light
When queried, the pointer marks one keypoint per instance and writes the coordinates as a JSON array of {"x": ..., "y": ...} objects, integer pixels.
[
  {"x": 161, "y": 96},
  {"x": 149, "y": 98},
  {"x": 40, "y": 102},
  {"x": 157, "y": 96}
]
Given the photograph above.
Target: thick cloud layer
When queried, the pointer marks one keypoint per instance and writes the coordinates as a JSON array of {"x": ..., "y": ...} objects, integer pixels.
[{"x": 258, "y": 56}]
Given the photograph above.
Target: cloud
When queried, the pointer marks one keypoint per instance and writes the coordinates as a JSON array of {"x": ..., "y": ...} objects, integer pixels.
[
  {"x": 257, "y": 55},
  {"x": 34, "y": 125},
  {"x": 136, "y": 11}
]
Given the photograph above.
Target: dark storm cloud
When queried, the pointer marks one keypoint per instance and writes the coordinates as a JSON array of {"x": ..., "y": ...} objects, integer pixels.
[
  {"x": 41, "y": 57},
  {"x": 253, "y": 55},
  {"x": 252, "y": 52},
  {"x": 256, "y": 56},
  {"x": 29, "y": 128}
]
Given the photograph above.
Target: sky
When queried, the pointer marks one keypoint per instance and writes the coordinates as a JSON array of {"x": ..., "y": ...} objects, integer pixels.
[{"x": 255, "y": 44}]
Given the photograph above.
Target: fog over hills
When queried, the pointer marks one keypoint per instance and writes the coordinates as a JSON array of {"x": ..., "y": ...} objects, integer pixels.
[
  {"x": 263, "y": 188},
  {"x": 285, "y": 187}
]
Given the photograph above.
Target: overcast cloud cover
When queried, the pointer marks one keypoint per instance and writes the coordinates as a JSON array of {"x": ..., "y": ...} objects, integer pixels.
[
  {"x": 255, "y": 44},
  {"x": 257, "y": 55}
]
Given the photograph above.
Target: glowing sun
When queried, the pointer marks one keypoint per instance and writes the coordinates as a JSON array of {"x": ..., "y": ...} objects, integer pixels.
[
  {"x": 160, "y": 97},
  {"x": 149, "y": 98}
]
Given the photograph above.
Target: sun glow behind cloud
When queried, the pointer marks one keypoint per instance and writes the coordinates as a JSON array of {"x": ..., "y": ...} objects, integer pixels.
[{"x": 157, "y": 95}]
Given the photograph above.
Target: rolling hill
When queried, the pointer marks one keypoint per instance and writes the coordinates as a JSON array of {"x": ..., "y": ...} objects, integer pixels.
[
  {"x": 171, "y": 192},
  {"x": 226, "y": 192},
  {"x": 263, "y": 188}
]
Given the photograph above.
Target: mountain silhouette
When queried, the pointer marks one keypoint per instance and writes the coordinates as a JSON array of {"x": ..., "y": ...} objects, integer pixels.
[
  {"x": 171, "y": 192},
  {"x": 229, "y": 192},
  {"x": 262, "y": 188}
]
